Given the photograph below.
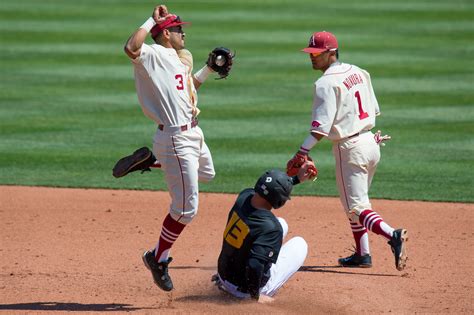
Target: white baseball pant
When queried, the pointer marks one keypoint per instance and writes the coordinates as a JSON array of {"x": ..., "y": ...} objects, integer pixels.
[
  {"x": 356, "y": 162},
  {"x": 185, "y": 160}
]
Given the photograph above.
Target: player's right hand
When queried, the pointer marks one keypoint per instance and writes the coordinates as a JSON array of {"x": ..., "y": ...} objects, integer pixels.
[
  {"x": 160, "y": 13},
  {"x": 308, "y": 171},
  {"x": 379, "y": 139}
]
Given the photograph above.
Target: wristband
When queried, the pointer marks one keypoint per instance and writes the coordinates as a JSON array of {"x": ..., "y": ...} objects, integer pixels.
[
  {"x": 295, "y": 180},
  {"x": 202, "y": 74},
  {"x": 148, "y": 25},
  {"x": 308, "y": 144}
]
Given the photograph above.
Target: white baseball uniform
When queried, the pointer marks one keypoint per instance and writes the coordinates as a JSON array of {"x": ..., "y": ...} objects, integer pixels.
[
  {"x": 344, "y": 110},
  {"x": 167, "y": 95}
]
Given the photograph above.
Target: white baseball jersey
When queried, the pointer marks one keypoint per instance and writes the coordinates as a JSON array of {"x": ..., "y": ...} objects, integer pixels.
[
  {"x": 162, "y": 84},
  {"x": 344, "y": 110},
  {"x": 344, "y": 102},
  {"x": 168, "y": 96}
]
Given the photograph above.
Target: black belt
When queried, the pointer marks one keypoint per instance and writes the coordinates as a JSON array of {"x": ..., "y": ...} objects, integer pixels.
[
  {"x": 194, "y": 123},
  {"x": 357, "y": 134}
]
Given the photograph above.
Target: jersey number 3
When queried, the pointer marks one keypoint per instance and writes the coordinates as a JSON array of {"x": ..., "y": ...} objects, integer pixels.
[
  {"x": 180, "y": 85},
  {"x": 362, "y": 114}
]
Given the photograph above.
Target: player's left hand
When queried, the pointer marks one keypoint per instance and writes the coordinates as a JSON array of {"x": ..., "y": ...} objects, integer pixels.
[
  {"x": 295, "y": 163},
  {"x": 379, "y": 139},
  {"x": 265, "y": 299},
  {"x": 221, "y": 60}
]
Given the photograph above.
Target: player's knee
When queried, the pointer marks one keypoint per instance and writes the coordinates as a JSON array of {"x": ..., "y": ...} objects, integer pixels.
[
  {"x": 183, "y": 216},
  {"x": 207, "y": 177},
  {"x": 354, "y": 214},
  {"x": 284, "y": 226},
  {"x": 302, "y": 249}
]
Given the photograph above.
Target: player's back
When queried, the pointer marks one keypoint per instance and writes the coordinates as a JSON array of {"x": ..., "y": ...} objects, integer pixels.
[
  {"x": 356, "y": 103},
  {"x": 245, "y": 223}
]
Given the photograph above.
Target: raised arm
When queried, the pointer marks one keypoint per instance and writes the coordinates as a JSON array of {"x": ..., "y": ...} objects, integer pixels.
[{"x": 134, "y": 43}]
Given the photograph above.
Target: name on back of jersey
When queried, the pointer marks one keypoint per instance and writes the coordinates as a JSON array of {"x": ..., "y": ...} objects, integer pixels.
[{"x": 352, "y": 80}]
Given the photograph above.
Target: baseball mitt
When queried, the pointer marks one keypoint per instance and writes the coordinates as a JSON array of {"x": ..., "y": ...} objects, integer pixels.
[
  {"x": 220, "y": 60},
  {"x": 294, "y": 164}
]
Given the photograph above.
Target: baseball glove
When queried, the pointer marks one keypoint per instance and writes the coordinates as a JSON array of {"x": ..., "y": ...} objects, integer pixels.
[
  {"x": 296, "y": 162},
  {"x": 220, "y": 60}
]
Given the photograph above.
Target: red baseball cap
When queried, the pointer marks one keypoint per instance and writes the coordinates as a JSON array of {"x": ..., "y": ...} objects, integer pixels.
[
  {"x": 172, "y": 20},
  {"x": 321, "y": 42}
]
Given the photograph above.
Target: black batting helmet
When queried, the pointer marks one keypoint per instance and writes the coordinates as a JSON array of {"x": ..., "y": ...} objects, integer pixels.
[{"x": 275, "y": 187}]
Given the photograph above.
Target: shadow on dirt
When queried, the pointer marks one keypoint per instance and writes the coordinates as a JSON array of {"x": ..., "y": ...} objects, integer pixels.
[
  {"x": 193, "y": 267},
  {"x": 58, "y": 306},
  {"x": 212, "y": 295},
  {"x": 329, "y": 269}
]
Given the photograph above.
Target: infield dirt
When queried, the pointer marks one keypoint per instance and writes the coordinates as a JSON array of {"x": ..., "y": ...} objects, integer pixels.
[{"x": 79, "y": 250}]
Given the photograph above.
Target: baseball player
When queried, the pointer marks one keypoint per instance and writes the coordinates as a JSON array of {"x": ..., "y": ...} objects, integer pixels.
[
  {"x": 344, "y": 111},
  {"x": 166, "y": 90},
  {"x": 253, "y": 263}
]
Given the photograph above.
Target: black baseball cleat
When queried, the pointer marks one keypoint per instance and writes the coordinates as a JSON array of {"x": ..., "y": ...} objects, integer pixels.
[
  {"x": 356, "y": 261},
  {"x": 159, "y": 271},
  {"x": 141, "y": 160},
  {"x": 397, "y": 243}
]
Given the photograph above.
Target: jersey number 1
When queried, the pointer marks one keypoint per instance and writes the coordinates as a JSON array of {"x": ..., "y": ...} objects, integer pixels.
[{"x": 362, "y": 114}]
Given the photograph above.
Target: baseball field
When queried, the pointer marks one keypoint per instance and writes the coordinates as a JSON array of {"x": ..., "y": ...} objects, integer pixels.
[{"x": 72, "y": 235}]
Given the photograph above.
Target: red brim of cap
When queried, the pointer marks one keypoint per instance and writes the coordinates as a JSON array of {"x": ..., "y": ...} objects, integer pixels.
[
  {"x": 160, "y": 27},
  {"x": 178, "y": 24},
  {"x": 313, "y": 50}
]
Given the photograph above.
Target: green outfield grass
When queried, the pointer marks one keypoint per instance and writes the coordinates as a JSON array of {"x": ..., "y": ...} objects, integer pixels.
[{"x": 68, "y": 108}]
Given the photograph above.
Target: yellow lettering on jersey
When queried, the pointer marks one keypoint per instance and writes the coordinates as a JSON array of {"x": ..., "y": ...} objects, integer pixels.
[{"x": 236, "y": 231}]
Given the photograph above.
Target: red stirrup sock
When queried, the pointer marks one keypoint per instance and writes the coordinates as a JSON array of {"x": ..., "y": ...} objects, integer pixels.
[
  {"x": 157, "y": 164},
  {"x": 373, "y": 222},
  {"x": 361, "y": 239},
  {"x": 169, "y": 234}
]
